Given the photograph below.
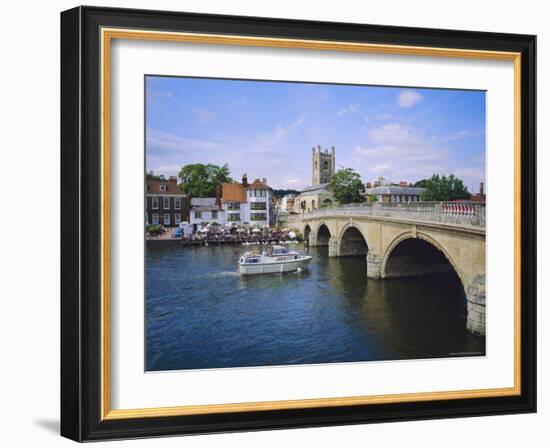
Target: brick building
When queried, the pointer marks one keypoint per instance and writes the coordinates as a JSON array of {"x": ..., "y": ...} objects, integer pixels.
[{"x": 165, "y": 203}]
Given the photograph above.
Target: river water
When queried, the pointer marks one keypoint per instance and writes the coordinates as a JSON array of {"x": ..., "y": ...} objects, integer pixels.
[{"x": 200, "y": 313}]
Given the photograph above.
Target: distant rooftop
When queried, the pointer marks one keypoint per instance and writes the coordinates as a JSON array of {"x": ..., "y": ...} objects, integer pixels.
[
  {"x": 259, "y": 184},
  {"x": 169, "y": 186},
  {"x": 311, "y": 188},
  {"x": 394, "y": 189}
]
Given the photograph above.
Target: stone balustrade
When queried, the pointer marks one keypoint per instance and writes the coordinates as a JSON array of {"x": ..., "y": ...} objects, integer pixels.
[{"x": 469, "y": 214}]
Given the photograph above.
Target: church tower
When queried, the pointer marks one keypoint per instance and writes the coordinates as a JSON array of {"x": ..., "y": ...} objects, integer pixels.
[{"x": 323, "y": 165}]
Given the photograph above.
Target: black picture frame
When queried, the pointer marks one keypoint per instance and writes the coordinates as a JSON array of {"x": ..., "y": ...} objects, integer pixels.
[{"x": 81, "y": 224}]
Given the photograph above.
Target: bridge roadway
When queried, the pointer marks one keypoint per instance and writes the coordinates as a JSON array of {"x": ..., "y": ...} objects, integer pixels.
[{"x": 407, "y": 239}]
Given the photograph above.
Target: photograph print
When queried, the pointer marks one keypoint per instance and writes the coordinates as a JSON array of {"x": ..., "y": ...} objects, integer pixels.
[{"x": 295, "y": 223}]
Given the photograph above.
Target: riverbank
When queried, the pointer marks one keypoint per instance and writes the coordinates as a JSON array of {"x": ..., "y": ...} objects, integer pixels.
[{"x": 223, "y": 242}]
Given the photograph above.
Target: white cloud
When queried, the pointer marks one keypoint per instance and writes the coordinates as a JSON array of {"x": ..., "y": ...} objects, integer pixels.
[
  {"x": 204, "y": 115},
  {"x": 401, "y": 152},
  {"x": 291, "y": 183},
  {"x": 349, "y": 109},
  {"x": 408, "y": 98},
  {"x": 471, "y": 176},
  {"x": 161, "y": 142},
  {"x": 458, "y": 135},
  {"x": 271, "y": 139},
  {"x": 167, "y": 170},
  {"x": 396, "y": 149},
  {"x": 381, "y": 168},
  {"x": 262, "y": 155},
  {"x": 377, "y": 117},
  {"x": 154, "y": 94}
]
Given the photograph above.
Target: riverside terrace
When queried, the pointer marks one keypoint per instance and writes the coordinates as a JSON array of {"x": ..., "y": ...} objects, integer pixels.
[{"x": 407, "y": 239}]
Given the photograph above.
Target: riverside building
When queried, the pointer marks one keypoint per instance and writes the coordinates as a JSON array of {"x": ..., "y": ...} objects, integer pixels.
[
  {"x": 165, "y": 203},
  {"x": 247, "y": 203}
]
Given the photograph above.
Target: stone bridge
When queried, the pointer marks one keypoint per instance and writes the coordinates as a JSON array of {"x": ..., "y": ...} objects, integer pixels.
[{"x": 407, "y": 239}]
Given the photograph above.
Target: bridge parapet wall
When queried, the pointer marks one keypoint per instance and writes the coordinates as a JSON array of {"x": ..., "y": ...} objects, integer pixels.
[{"x": 467, "y": 214}]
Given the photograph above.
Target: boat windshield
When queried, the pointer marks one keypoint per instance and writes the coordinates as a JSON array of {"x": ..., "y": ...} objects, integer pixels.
[{"x": 278, "y": 250}]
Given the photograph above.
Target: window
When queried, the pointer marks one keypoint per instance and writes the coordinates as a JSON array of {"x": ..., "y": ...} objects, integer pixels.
[
  {"x": 258, "y": 217},
  {"x": 198, "y": 215},
  {"x": 177, "y": 218},
  {"x": 233, "y": 217},
  {"x": 233, "y": 206},
  {"x": 162, "y": 187},
  {"x": 155, "y": 218},
  {"x": 214, "y": 214},
  {"x": 177, "y": 203},
  {"x": 165, "y": 202},
  {"x": 166, "y": 219},
  {"x": 258, "y": 206},
  {"x": 155, "y": 203}
]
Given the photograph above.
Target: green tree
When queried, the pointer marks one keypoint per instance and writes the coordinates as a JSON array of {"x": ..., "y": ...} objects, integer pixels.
[
  {"x": 420, "y": 183},
  {"x": 346, "y": 185},
  {"x": 200, "y": 181},
  {"x": 444, "y": 188},
  {"x": 372, "y": 198}
]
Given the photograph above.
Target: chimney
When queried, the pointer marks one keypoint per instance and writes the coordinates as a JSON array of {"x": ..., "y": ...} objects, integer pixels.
[
  {"x": 319, "y": 148},
  {"x": 368, "y": 185},
  {"x": 173, "y": 179},
  {"x": 481, "y": 188},
  {"x": 245, "y": 180},
  {"x": 219, "y": 195},
  {"x": 264, "y": 180},
  {"x": 403, "y": 183}
]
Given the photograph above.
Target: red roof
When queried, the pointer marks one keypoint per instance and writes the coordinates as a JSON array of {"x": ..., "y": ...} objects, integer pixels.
[
  {"x": 233, "y": 192},
  {"x": 171, "y": 187}
]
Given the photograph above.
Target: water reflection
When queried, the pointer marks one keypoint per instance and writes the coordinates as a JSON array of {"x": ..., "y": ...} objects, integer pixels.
[{"x": 200, "y": 313}]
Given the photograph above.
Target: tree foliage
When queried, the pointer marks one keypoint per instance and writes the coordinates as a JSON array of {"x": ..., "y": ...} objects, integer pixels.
[
  {"x": 444, "y": 188},
  {"x": 279, "y": 193},
  {"x": 346, "y": 185},
  {"x": 372, "y": 198},
  {"x": 420, "y": 183},
  {"x": 200, "y": 181}
]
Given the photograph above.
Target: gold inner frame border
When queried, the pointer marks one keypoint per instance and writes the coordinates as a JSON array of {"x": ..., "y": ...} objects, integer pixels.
[{"x": 107, "y": 35}]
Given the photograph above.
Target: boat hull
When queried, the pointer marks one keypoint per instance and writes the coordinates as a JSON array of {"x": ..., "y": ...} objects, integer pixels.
[{"x": 275, "y": 267}]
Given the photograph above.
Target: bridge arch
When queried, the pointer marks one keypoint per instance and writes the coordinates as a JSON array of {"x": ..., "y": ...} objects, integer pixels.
[
  {"x": 417, "y": 254},
  {"x": 383, "y": 234},
  {"x": 352, "y": 241},
  {"x": 323, "y": 233},
  {"x": 306, "y": 232}
]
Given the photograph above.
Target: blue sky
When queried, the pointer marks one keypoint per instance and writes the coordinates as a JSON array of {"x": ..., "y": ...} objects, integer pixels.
[{"x": 267, "y": 129}]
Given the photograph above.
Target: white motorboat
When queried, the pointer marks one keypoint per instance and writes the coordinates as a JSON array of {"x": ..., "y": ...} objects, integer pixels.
[{"x": 276, "y": 259}]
